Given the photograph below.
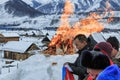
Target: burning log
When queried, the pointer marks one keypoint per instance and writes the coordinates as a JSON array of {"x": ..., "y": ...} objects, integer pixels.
[
  {"x": 50, "y": 50},
  {"x": 59, "y": 46}
]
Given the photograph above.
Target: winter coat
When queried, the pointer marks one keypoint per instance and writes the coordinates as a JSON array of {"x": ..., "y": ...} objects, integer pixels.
[
  {"x": 77, "y": 68},
  {"x": 88, "y": 77},
  {"x": 110, "y": 73}
]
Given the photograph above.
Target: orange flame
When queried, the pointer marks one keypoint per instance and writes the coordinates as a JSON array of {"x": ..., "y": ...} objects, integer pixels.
[
  {"x": 109, "y": 11},
  {"x": 65, "y": 33},
  {"x": 68, "y": 8}
]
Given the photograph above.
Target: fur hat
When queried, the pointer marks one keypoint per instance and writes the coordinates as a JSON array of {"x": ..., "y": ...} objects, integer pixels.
[
  {"x": 114, "y": 42},
  {"x": 105, "y": 48},
  {"x": 110, "y": 73},
  {"x": 94, "y": 60}
]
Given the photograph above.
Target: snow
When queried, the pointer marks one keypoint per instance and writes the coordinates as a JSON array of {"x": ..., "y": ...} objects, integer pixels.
[
  {"x": 28, "y": 2},
  {"x": 44, "y": 1},
  {"x": 8, "y": 71},
  {"x": 17, "y": 46},
  {"x": 98, "y": 37},
  {"x": 40, "y": 1},
  {"x": 5, "y": 34},
  {"x": 50, "y": 33},
  {"x": 3, "y": 1},
  {"x": 96, "y": 5},
  {"x": 48, "y": 1},
  {"x": 10, "y": 19},
  {"x": 112, "y": 26},
  {"x": 107, "y": 35},
  {"x": 39, "y": 67}
]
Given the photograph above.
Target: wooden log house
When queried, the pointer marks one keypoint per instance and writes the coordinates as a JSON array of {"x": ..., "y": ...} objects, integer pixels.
[
  {"x": 18, "y": 50},
  {"x": 5, "y": 37}
]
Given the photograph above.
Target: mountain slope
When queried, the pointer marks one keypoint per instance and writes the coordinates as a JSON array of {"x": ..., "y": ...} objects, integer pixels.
[
  {"x": 20, "y": 8},
  {"x": 53, "y": 6}
]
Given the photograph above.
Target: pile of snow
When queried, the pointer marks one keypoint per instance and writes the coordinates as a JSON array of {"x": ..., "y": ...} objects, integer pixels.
[
  {"x": 40, "y": 67},
  {"x": 10, "y": 73}
]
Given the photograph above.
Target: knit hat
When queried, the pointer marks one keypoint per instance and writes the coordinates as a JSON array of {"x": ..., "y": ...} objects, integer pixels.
[
  {"x": 94, "y": 60},
  {"x": 110, "y": 73},
  {"x": 104, "y": 47},
  {"x": 114, "y": 42}
]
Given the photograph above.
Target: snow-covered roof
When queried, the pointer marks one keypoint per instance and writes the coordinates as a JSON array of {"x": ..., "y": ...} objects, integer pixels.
[
  {"x": 17, "y": 46},
  {"x": 50, "y": 33},
  {"x": 98, "y": 37},
  {"x": 107, "y": 35},
  {"x": 5, "y": 34}
]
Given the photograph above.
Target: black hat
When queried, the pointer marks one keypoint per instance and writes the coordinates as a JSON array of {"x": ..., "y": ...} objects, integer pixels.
[
  {"x": 94, "y": 60},
  {"x": 114, "y": 42}
]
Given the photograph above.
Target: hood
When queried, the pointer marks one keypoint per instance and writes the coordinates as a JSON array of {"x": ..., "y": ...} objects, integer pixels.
[{"x": 110, "y": 73}]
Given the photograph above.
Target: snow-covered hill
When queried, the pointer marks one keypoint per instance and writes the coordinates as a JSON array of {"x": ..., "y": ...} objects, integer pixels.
[
  {"x": 18, "y": 8},
  {"x": 19, "y": 12},
  {"x": 48, "y": 6},
  {"x": 56, "y": 6}
]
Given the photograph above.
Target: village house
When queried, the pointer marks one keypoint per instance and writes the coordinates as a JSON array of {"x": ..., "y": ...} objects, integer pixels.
[
  {"x": 5, "y": 37},
  {"x": 18, "y": 50},
  {"x": 45, "y": 41}
]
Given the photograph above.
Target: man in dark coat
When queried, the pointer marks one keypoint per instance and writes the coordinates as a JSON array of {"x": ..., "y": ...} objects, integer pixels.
[
  {"x": 82, "y": 43},
  {"x": 115, "y": 44}
]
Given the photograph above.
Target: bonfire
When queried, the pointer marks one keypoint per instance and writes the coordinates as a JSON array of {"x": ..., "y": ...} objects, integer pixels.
[{"x": 62, "y": 43}]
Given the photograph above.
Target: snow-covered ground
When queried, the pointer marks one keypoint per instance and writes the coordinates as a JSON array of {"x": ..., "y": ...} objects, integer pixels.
[{"x": 39, "y": 67}]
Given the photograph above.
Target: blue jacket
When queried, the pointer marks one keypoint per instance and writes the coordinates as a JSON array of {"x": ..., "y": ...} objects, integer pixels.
[{"x": 110, "y": 73}]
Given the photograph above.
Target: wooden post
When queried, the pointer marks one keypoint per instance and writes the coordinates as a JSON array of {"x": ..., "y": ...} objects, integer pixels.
[
  {"x": 17, "y": 65},
  {"x": 8, "y": 69}
]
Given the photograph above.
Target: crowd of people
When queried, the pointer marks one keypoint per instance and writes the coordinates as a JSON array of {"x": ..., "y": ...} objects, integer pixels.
[{"x": 100, "y": 62}]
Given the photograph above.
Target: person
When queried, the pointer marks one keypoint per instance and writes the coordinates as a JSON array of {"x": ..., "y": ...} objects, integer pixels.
[
  {"x": 110, "y": 73},
  {"x": 115, "y": 44},
  {"x": 105, "y": 48},
  {"x": 82, "y": 43},
  {"x": 95, "y": 62}
]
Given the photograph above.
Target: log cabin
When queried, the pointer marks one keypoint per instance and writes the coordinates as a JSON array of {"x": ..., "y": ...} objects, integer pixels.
[
  {"x": 5, "y": 37},
  {"x": 18, "y": 50}
]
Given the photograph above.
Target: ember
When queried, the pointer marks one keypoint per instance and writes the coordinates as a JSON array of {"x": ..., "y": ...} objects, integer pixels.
[{"x": 61, "y": 43}]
